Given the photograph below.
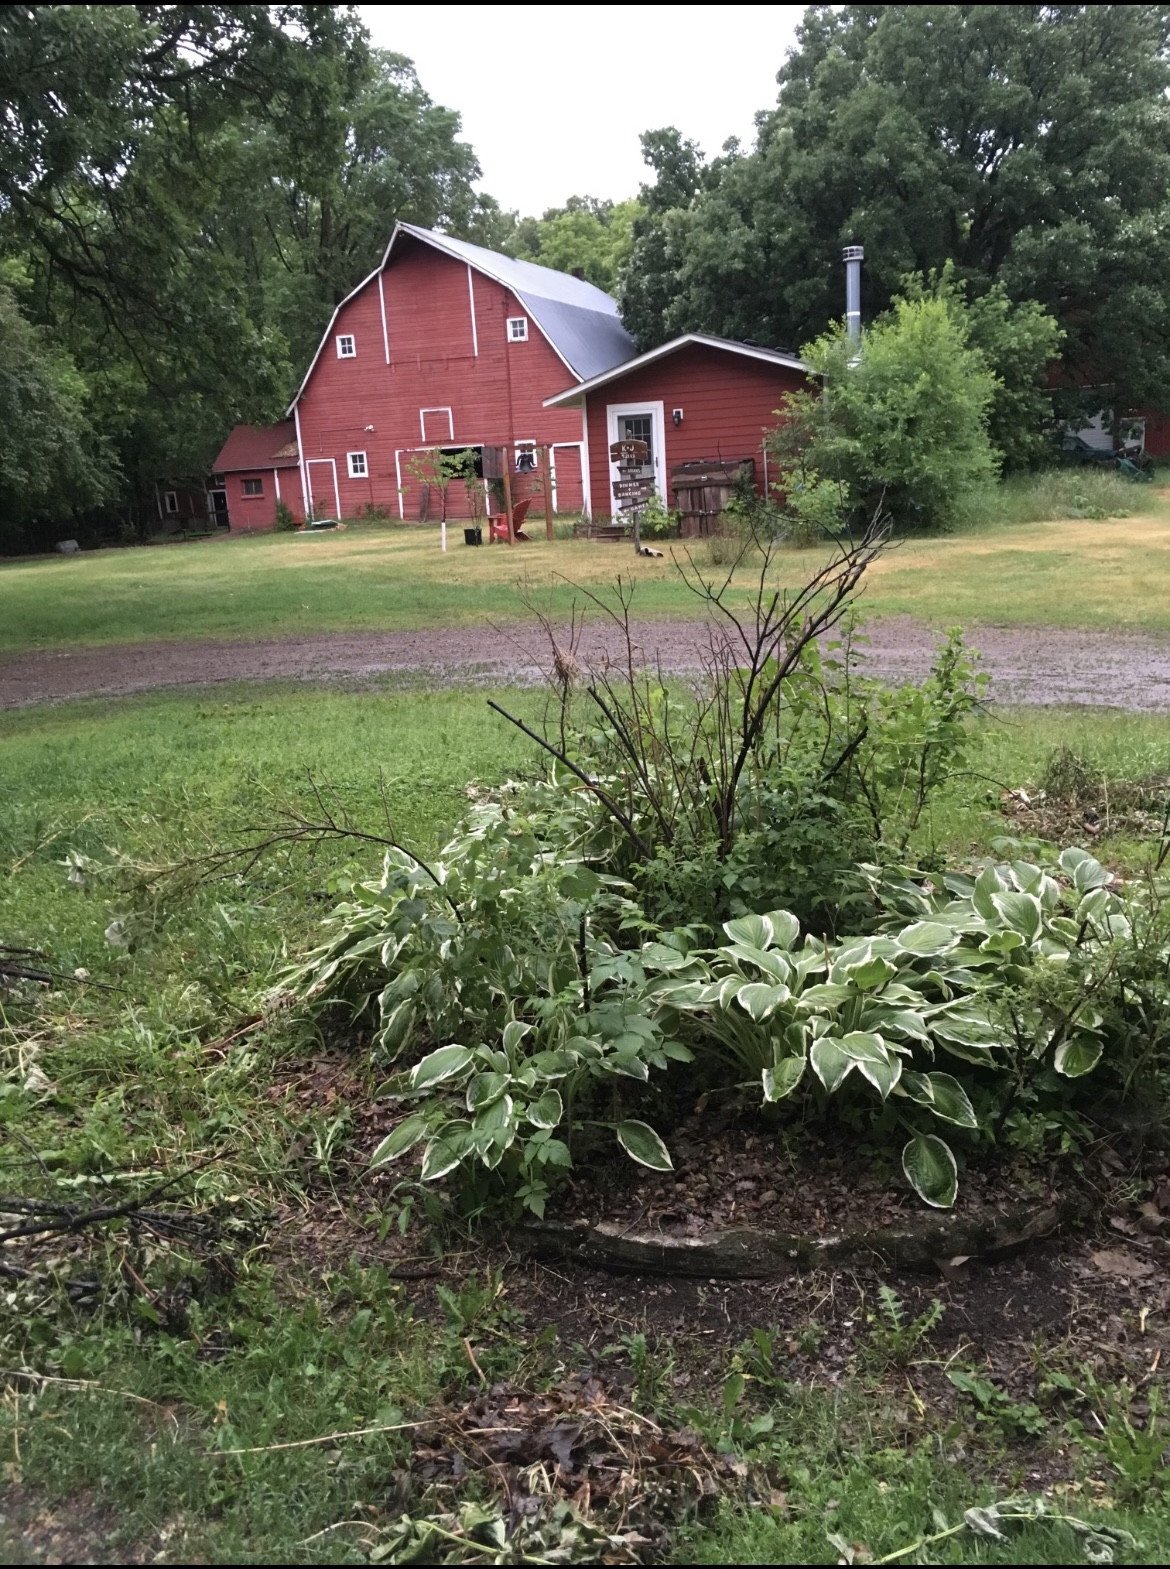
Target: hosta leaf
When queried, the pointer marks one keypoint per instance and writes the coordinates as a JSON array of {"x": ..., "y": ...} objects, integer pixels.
[
  {"x": 1086, "y": 873},
  {"x": 770, "y": 960},
  {"x": 926, "y": 939},
  {"x": 642, "y": 1144},
  {"x": 485, "y": 1088},
  {"x": 1021, "y": 911},
  {"x": 404, "y": 1137},
  {"x": 755, "y": 931},
  {"x": 873, "y": 975},
  {"x": 1079, "y": 1054},
  {"x": 514, "y": 1033},
  {"x": 782, "y": 1079},
  {"x": 444, "y": 1153},
  {"x": 785, "y": 928},
  {"x": 902, "y": 1021},
  {"x": 987, "y": 885},
  {"x": 1004, "y": 942},
  {"x": 446, "y": 1063},
  {"x": 760, "y": 999},
  {"x": 944, "y": 1095},
  {"x": 547, "y": 1111},
  {"x": 829, "y": 1062},
  {"x": 1093, "y": 906},
  {"x": 397, "y": 1027},
  {"x": 659, "y": 957},
  {"x": 863, "y": 1046},
  {"x": 882, "y": 1073},
  {"x": 930, "y": 1170},
  {"x": 496, "y": 1114}
]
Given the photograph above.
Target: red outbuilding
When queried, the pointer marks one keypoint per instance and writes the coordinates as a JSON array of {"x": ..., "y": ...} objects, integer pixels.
[
  {"x": 701, "y": 404},
  {"x": 259, "y": 466}
]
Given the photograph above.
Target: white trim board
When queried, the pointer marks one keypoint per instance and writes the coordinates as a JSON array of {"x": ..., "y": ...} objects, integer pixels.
[
  {"x": 729, "y": 346},
  {"x": 332, "y": 462},
  {"x": 614, "y": 412},
  {"x": 441, "y": 408}
]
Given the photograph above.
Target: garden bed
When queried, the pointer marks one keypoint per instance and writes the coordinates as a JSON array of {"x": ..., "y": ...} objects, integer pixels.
[{"x": 745, "y": 1203}]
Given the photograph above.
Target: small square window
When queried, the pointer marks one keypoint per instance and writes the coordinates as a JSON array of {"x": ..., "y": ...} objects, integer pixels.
[
  {"x": 358, "y": 468},
  {"x": 346, "y": 346},
  {"x": 517, "y": 329},
  {"x": 170, "y": 501},
  {"x": 253, "y": 487}
]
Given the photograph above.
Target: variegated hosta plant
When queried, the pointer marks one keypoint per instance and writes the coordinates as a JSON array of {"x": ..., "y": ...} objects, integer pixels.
[{"x": 892, "y": 1010}]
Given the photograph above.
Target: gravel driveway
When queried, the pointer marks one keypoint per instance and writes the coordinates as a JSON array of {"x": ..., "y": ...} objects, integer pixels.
[{"x": 1028, "y": 665}]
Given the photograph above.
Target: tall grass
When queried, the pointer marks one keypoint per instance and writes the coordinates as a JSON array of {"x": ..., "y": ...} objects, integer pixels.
[{"x": 1054, "y": 494}]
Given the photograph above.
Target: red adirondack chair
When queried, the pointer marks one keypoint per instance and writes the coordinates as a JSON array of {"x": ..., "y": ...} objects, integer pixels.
[{"x": 499, "y": 525}]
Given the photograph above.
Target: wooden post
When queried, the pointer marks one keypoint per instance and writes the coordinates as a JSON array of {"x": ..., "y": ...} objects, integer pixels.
[
  {"x": 507, "y": 467},
  {"x": 546, "y": 474}
]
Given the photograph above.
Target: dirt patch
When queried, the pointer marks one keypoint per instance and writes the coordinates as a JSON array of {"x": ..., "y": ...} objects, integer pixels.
[{"x": 1029, "y": 666}]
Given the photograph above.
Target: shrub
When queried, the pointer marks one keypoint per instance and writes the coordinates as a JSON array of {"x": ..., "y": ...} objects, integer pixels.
[
  {"x": 658, "y": 521},
  {"x": 285, "y": 522},
  {"x": 900, "y": 424}
]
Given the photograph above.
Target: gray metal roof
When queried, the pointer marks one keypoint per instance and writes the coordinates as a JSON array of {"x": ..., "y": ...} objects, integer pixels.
[
  {"x": 580, "y": 320},
  {"x": 752, "y": 351}
]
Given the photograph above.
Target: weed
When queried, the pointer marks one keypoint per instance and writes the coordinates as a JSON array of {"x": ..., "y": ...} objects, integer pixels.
[
  {"x": 894, "y": 1338},
  {"x": 1011, "y": 1418}
]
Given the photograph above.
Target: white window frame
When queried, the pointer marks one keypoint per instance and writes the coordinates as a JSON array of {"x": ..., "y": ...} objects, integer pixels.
[
  {"x": 251, "y": 495},
  {"x": 516, "y": 446},
  {"x": 356, "y": 473},
  {"x": 342, "y": 352},
  {"x": 422, "y": 424},
  {"x": 613, "y": 413},
  {"x": 170, "y": 502},
  {"x": 522, "y": 323}
]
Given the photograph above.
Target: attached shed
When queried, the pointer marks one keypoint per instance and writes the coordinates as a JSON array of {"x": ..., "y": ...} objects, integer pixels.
[
  {"x": 702, "y": 404},
  {"x": 260, "y": 465}
]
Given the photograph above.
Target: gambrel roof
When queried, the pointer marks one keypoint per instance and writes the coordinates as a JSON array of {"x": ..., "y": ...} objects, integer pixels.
[{"x": 579, "y": 320}]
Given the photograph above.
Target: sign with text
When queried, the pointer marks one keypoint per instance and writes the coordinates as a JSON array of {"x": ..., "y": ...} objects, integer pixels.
[{"x": 630, "y": 453}]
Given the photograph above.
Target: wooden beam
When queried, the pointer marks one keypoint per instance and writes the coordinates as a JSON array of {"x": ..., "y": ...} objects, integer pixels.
[
  {"x": 546, "y": 475},
  {"x": 507, "y": 467}
]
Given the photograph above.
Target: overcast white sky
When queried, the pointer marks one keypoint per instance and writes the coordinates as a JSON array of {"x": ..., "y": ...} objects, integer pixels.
[{"x": 553, "y": 97}]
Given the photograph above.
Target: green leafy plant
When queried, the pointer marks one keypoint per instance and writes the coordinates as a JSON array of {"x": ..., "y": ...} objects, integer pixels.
[
  {"x": 893, "y": 1337},
  {"x": 285, "y": 522}
]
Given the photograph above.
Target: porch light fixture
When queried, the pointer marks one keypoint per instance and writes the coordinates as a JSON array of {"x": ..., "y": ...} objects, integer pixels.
[{"x": 677, "y": 416}]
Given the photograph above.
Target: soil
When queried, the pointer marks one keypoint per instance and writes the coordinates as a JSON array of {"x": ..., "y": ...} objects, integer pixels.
[{"x": 1029, "y": 666}]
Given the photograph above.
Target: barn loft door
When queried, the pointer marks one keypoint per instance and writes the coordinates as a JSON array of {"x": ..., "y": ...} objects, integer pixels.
[{"x": 702, "y": 491}]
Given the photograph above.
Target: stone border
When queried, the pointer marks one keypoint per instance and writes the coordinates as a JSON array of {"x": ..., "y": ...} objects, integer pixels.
[{"x": 750, "y": 1253}]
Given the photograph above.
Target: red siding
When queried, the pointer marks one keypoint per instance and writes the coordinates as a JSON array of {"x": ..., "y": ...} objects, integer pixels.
[
  {"x": 728, "y": 402},
  {"x": 252, "y": 514},
  {"x": 495, "y": 396}
]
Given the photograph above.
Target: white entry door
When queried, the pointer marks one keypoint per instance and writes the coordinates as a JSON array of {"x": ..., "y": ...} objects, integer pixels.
[{"x": 640, "y": 422}]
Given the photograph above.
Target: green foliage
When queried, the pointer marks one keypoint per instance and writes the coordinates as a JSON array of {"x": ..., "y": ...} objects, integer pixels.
[
  {"x": 1027, "y": 146},
  {"x": 53, "y": 465},
  {"x": 285, "y": 522},
  {"x": 658, "y": 521},
  {"x": 900, "y": 427},
  {"x": 1092, "y": 493},
  {"x": 585, "y": 234}
]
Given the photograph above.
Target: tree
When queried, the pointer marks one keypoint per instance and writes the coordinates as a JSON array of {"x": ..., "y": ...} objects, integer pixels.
[
  {"x": 899, "y": 426},
  {"x": 190, "y": 189},
  {"x": 52, "y": 465},
  {"x": 587, "y": 235},
  {"x": 1029, "y": 145},
  {"x": 649, "y": 276}
]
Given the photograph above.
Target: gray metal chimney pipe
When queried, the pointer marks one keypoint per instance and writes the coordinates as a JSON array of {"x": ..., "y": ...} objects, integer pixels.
[{"x": 854, "y": 256}]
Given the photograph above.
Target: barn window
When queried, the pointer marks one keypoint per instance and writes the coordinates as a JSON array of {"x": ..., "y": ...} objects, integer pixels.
[
  {"x": 170, "y": 501},
  {"x": 346, "y": 346},
  {"x": 517, "y": 329},
  {"x": 253, "y": 487},
  {"x": 358, "y": 468}
]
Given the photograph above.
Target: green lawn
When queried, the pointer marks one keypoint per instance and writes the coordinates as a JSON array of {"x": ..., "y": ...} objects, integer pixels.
[
  {"x": 291, "y": 1349},
  {"x": 1113, "y": 574}
]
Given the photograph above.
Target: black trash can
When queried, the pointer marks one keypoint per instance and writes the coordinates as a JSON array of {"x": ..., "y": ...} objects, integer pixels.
[{"x": 473, "y": 536}]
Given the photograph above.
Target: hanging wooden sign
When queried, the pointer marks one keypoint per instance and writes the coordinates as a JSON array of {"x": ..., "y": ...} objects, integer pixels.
[
  {"x": 629, "y": 452},
  {"x": 633, "y": 488}
]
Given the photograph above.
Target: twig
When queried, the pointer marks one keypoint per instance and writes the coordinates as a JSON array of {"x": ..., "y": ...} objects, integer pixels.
[
  {"x": 87, "y": 1386},
  {"x": 470, "y": 1353}
]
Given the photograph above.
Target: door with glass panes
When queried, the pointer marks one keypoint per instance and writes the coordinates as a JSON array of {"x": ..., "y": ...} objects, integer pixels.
[{"x": 640, "y": 423}]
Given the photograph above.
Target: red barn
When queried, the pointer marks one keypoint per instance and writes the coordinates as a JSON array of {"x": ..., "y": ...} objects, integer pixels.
[
  {"x": 702, "y": 404},
  {"x": 444, "y": 345}
]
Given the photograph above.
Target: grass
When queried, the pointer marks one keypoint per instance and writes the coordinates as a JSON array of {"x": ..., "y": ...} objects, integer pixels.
[
  {"x": 284, "y": 1349},
  {"x": 1070, "y": 492},
  {"x": 1107, "y": 574}
]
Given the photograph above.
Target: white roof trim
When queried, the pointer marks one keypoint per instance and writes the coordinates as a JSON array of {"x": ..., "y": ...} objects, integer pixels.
[
  {"x": 427, "y": 238},
  {"x": 749, "y": 351},
  {"x": 353, "y": 293}
]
